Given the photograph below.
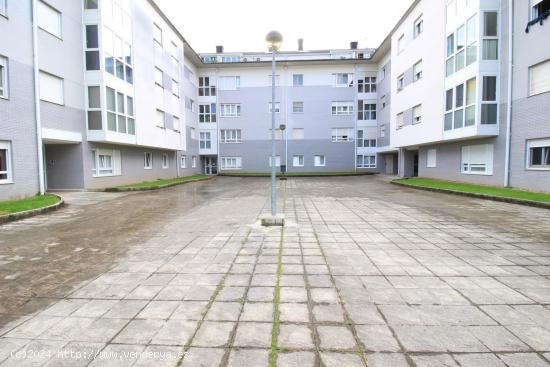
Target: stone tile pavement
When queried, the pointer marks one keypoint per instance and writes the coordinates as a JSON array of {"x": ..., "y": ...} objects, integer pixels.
[{"x": 363, "y": 273}]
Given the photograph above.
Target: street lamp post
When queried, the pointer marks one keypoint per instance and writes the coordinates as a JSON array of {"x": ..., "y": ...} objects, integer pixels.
[{"x": 274, "y": 40}]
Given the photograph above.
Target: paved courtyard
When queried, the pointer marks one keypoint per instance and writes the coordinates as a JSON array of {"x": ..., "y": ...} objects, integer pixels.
[{"x": 363, "y": 273}]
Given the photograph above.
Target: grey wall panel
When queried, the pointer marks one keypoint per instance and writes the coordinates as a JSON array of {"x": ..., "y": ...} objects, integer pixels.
[
  {"x": 384, "y": 114},
  {"x": 63, "y": 167},
  {"x": 63, "y": 118}
]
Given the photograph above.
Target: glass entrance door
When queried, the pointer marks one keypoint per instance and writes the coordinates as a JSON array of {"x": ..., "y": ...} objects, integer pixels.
[{"x": 210, "y": 166}]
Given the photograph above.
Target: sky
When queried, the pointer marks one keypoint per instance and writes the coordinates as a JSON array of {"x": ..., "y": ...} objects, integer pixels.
[{"x": 241, "y": 25}]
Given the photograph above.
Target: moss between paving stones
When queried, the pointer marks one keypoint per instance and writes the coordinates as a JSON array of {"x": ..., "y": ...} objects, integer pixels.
[
  {"x": 508, "y": 195},
  {"x": 29, "y": 207},
  {"x": 158, "y": 184},
  {"x": 296, "y": 174}
]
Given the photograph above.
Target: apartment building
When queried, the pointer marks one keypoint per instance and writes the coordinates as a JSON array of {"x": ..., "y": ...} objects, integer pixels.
[{"x": 96, "y": 93}]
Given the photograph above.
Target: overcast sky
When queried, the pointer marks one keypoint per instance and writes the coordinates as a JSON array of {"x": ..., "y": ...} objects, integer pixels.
[{"x": 241, "y": 25}]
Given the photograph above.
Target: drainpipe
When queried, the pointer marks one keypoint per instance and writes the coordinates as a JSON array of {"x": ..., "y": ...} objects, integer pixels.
[
  {"x": 509, "y": 91},
  {"x": 37, "y": 99}
]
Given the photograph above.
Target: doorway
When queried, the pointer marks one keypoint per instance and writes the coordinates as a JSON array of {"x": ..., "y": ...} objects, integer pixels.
[
  {"x": 210, "y": 166},
  {"x": 415, "y": 169}
]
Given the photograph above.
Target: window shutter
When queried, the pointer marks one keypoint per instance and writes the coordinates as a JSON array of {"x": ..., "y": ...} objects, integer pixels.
[
  {"x": 117, "y": 163},
  {"x": 540, "y": 78}
]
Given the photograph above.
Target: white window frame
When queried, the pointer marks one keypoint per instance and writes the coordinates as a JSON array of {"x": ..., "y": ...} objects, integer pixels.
[
  {"x": 542, "y": 85},
  {"x": 160, "y": 113},
  {"x": 159, "y": 73},
  {"x": 471, "y": 168},
  {"x": 490, "y": 38},
  {"x": 400, "y": 82},
  {"x": 417, "y": 71},
  {"x": 157, "y": 34},
  {"x": 382, "y": 131},
  {"x": 298, "y": 160},
  {"x": 231, "y": 163},
  {"x": 43, "y": 7},
  {"x": 229, "y": 83},
  {"x": 342, "y": 135},
  {"x": 364, "y": 141},
  {"x": 205, "y": 88},
  {"x": 401, "y": 44},
  {"x": 277, "y": 107},
  {"x": 165, "y": 161},
  {"x": 418, "y": 26},
  {"x": 431, "y": 158},
  {"x": 183, "y": 161},
  {"x": 365, "y": 161},
  {"x": 299, "y": 78},
  {"x": 533, "y": 144},
  {"x": 454, "y": 63},
  {"x": 231, "y": 136},
  {"x": 147, "y": 160},
  {"x": 297, "y": 107},
  {"x": 175, "y": 88},
  {"x": 298, "y": 134},
  {"x": 114, "y": 169},
  {"x": 4, "y": 8},
  {"x": 205, "y": 140},
  {"x": 194, "y": 161},
  {"x": 366, "y": 85},
  {"x": 6, "y": 145},
  {"x": 207, "y": 113},
  {"x": 277, "y": 161},
  {"x": 366, "y": 110},
  {"x": 44, "y": 77},
  {"x": 343, "y": 108},
  {"x": 4, "y": 85},
  {"x": 343, "y": 80},
  {"x": 399, "y": 120},
  {"x": 230, "y": 110},
  {"x": 320, "y": 160},
  {"x": 417, "y": 114}
]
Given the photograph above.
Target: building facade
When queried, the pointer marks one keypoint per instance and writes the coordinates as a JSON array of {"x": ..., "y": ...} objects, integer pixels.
[{"x": 97, "y": 93}]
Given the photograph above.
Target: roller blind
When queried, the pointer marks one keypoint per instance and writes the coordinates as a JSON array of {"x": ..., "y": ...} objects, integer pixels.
[{"x": 539, "y": 78}]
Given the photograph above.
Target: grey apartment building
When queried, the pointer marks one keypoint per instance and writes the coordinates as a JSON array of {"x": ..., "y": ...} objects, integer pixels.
[{"x": 96, "y": 93}]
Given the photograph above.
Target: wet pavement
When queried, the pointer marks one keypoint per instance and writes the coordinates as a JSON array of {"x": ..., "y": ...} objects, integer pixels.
[{"x": 364, "y": 272}]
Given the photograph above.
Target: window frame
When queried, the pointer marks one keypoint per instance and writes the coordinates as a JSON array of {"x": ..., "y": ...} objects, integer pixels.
[
  {"x": 485, "y": 37},
  {"x": 297, "y": 107},
  {"x": 544, "y": 145},
  {"x": 367, "y": 84},
  {"x": 230, "y": 136},
  {"x": 296, "y": 159},
  {"x": 342, "y": 108},
  {"x": 205, "y": 140},
  {"x": 338, "y": 83},
  {"x": 238, "y": 163},
  {"x": 165, "y": 161},
  {"x": 229, "y": 82},
  {"x": 7, "y": 146},
  {"x": 157, "y": 31},
  {"x": 418, "y": 27},
  {"x": 417, "y": 119},
  {"x": 342, "y": 135},
  {"x": 91, "y": 50},
  {"x": 205, "y": 88},
  {"x": 60, "y": 21},
  {"x": 52, "y": 76},
  {"x": 4, "y": 8},
  {"x": 531, "y": 90},
  {"x": 360, "y": 163},
  {"x": 207, "y": 113},
  {"x": 277, "y": 107},
  {"x": 418, "y": 74},
  {"x": 466, "y": 167},
  {"x": 183, "y": 162},
  {"x": 318, "y": 162},
  {"x": 366, "y": 111},
  {"x": 300, "y": 78},
  {"x": 148, "y": 156},
  {"x": 4, "y": 77},
  {"x": 431, "y": 158}
]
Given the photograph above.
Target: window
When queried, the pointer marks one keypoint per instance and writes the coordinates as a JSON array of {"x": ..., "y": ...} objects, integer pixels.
[
  {"x": 366, "y": 161},
  {"x": 366, "y": 111},
  {"x": 277, "y": 161},
  {"x": 460, "y": 105},
  {"x": 366, "y": 138},
  {"x": 477, "y": 159},
  {"x": 193, "y": 133},
  {"x": 192, "y": 105},
  {"x": 92, "y": 47},
  {"x": 159, "y": 77},
  {"x": 174, "y": 52},
  {"x": 341, "y": 135},
  {"x": 298, "y": 134},
  {"x": 343, "y": 80},
  {"x": 418, "y": 27},
  {"x": 297, "y": 107},
  {"x": 383, "y": 101},
  {"x": 230, "y": 109},
  {"x": 538, "y": 154},
  {"x": 278, "y": 134},
  {"x": 120, "y": 112},
  {"x": 400, "y": 82},
  {"x": 159, "y": 119},
  {"x": 417, "y": 71},
  {"x": 118, "y": 56},
  {"x": 319, "y": 161},
  {"x": 342, "y": 108},
  {"x": 3, "y": 7},
  {"x": 157, "y": 34},
  {"x": 399, "y": 120},
  {"x": 165, "y": 161},
  {"x": 366, "y": 85},
  {"x": 231, "y": 163},
  {"x": 148, "y": 160},
  {"x": 298, "y": 80},
  {"x": 462, "y": 46},
  {"x": 230, "y": 136},
  {"x": 3, "y": 77},
  {"x": 207, "y": 112},
  {"x": 106, "y": 162},
  {"x": 298, "y": 161},
  {"x": 51, "y": 88},
  {"x": 382, "y": 131},
  {"x": 49, "y": 19},
  {"x": 5, "y": 162},
  {"x": 277, "y": 107},
  {"x": 175, "y": 88},
  {"x": 230, "y": 83},
  {"x": 489, "y": 106},
  {"x": 538, "y": 8},
  {"x": 176, "y": 124},
  {"x": 94, "y": 108},
  {"x": 490, "y": 35},
  {"x": 194, "y": 161},
  {"x": 417, "y": 114},
  {"x": 205, "y": 89},
  {"x": 88, "y": 4},
  {"x": 205, "y": 140},
  {"x": 539, "y": 78},
  {"x": 183, "y": 161},
  {"x": 401, "y": 44},
  {"x": 431, "y": 160}
]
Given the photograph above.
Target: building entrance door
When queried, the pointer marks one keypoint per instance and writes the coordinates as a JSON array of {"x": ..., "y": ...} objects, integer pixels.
[{"x": 210, "y": 166}]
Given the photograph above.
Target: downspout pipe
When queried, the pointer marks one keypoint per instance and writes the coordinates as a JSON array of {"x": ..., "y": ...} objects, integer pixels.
[
  {"x": 509, "y": 92},
  {"x": 38, "y": 117}
]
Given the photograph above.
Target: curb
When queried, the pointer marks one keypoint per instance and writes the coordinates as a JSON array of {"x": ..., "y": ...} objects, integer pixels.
[
  {"x": 536, "y": 204},
  {"x": 152, "y": 188},
  {"x": 259, "y": 175},
  {"x": 33, "y": 212}
]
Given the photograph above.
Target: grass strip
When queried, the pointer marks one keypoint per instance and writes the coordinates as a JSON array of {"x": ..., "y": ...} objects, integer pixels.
[
  {"x": 163, "y": 182},
  {"x": 477, "y": 189},
  {"x": 34, "y": 202},
  {"x": 276, "y": 301}
]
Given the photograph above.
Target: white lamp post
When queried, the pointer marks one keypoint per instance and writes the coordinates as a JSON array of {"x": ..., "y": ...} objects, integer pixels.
[{"x": 274, "y": 40}]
